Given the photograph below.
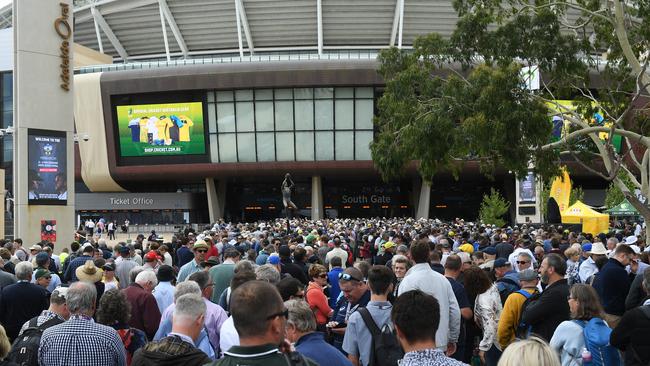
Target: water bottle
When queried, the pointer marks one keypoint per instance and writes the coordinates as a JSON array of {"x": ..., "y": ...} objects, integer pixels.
[{"x": 586, "y": 357}]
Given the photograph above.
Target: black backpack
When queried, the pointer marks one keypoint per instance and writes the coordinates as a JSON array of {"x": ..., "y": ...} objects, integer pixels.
[
  {"x": 24, "y": 351},
  {"x": 386, "y": 350}
]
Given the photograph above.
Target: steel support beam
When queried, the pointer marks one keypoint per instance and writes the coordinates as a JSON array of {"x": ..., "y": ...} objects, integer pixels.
[
  {"x": 393, "y": 33},
  {"x": 401, "y": 22},
  {"x": 107, "y": 7},
  {"x": 164, "y": 31},
  {"x": 97, "y": 15},
  {"x": 244, "y": 22},
  {"x": 173, "y": 26},
  {"x": 239, "y": 39},
  {"x": 319, "y": 17},
  {"x": 99, "y": 37}
]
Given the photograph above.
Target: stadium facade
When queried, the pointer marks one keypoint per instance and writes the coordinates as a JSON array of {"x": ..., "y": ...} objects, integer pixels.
[{"x": 207, "y": 104}]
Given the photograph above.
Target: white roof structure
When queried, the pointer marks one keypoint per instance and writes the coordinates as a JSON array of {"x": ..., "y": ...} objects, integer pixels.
[{"x": 150, "y": 29}]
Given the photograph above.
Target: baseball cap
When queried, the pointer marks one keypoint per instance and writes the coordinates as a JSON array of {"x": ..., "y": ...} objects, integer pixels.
[
  {"x": 108, "y": 267},
  {"x": 125, "y": 249},
  {"x": 273, "y": 259},
  {"x": 467, "y": 248},
  {"x": 42, "y": 256},
  {"x": 389, "y": 244},
  {"x": 500, "y": 262},
  {"x": 151, "y": 256},
  {"x": 41, "y": 272},
  {"x": 527, "y": 275},
  {"x": 586, "y": 247},
  {"x": 490, "y": 251}
]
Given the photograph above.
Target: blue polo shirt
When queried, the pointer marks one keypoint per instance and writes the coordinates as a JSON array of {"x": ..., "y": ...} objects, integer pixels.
[
  {"x": 313, "y": 346},
  {"x": 335, "y": 290}
]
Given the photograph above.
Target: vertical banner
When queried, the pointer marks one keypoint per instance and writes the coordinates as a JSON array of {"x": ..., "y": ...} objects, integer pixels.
[
  {"x": 48, "y": 230},
  {"x": 561, "y": 190}
]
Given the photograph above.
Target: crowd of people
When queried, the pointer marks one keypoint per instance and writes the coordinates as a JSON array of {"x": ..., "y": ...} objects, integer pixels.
[{"x": 341, "y": 292}]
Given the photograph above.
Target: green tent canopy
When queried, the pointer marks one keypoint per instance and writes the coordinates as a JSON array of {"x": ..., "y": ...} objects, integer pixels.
[{"x": 624, "y": 208}]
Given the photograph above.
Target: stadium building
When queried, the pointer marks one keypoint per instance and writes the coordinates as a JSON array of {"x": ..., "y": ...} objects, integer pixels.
[{"x": 193, "y": 110}]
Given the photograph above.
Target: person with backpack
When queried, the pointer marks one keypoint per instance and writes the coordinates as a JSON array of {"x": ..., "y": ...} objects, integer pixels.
[
  {"x": 544, "y": 312},
  {"x": 507, "y": 279},
  {"x": 587, "y": 332},
  {"x": 631, "y": 333},
  {"x": 24, "y": 351},
  {"x": 369, "y": 338},
  {"x": 416, "y": 317},
  {"x": 511, "y": 313}
]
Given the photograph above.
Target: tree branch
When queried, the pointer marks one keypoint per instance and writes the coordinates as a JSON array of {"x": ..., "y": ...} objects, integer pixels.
[
  {"x": 589, "y": 130},
  {"x": 621, "y": 34}
]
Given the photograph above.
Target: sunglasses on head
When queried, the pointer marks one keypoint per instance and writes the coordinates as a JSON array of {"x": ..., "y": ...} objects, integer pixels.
[
  {"x": 284, "y": 313},
  {"x": 347, "y": 277}
]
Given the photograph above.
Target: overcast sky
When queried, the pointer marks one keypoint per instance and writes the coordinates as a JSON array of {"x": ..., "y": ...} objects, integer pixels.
[{"x": 4, "y": 2}]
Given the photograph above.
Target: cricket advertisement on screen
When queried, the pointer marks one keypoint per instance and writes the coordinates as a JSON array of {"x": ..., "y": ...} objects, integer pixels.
[
  {"x": 161, "y": 129},
  {"x": 47, "y": 167}
]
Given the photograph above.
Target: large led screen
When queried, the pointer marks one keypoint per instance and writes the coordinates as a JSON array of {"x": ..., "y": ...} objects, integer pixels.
[
  {"x": 47, "y": 167},
  {"x": 161, "y": 129}
]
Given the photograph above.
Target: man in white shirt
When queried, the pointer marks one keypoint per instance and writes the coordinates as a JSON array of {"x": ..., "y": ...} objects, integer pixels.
[
  {"x": 422, "y": 277},
  {"x": 588, "y": 267}
]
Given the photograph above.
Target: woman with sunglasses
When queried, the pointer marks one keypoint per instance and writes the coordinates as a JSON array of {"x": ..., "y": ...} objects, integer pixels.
[{"x": 316, "y": 297}]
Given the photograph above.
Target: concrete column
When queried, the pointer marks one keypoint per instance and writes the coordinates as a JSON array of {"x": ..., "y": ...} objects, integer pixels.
[
  {"x": 425, "y": 201},
  {"x": 317, "y": 211},
  {"x": 216, "y": 192}
]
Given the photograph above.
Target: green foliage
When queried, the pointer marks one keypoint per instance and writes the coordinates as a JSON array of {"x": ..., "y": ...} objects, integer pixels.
[
  {"x": 493, "y": 207},
  {"x": 614, "y": 195},
  {"x": 450, "y": 100}
]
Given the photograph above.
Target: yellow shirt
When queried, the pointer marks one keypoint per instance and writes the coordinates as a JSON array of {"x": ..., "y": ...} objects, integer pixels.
[
  {"x": 143, "y": 129},
  {"x": 510, "y": 317},
  {"x": 163, "y": 128},
  {"x": 184, "y": 131}
]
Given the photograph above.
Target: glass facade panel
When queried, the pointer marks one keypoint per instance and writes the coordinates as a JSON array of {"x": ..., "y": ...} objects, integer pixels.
[
  {"x": 210, "y": 97},
  {"x": 212, "y": 118},
  {"x": 303, "y": 93},
  {"x": 304, "y": 114},
  {"x": 285, "y": 146},
  {"x": 344, "y": 142},
  {"x": 324, "y": 93},
  {"x": 243, "y": 95},
  {"x": 265, "y": 146},
  {"x": 366, "y": 92},
  {"x": 246, "y": 147},
  {"x": 344, "y": 114},
  {"x": 363, "y": 113},
  {"x": 224, "y": 96},
  {"x": 304, "y": 146},
  {"x": 324, "y": 114},
  {"x": 362, "y": 145},
  {"x": 324, "y": 146},
  {"x": 301, "y": 124},
  {"x": 283, "y": 94},
  {"x": 214, "y": 149},
  {"x": 264, "y": 94},
  {"x": 344, "y": 93},
  {"x": 284, "y": 116},
  {"x": 225, "y": 117},
  {"x": 227, "y": 148},
  {"x": 264, "y": 116},
  {"x": 245, "y": 117}
]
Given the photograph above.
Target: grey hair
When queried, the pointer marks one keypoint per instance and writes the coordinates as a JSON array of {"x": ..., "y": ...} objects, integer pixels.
[
  {"x": 146, "y": 276},
  {"x": 134, "y": 272},
  {"x": 613, "y": 239},
  {"x": 189, "y": 305},
  {"x": 243, "y": 266},
  {"x": 525, "y": 254},
  {"x": 646, "y": 280},
  {"x": 58, "y": 296},
  {"x": 268, "y": 273},
  {"x": 24, "y": 271},
  {"x": 81, "y": 298},
  {"x": 301, "y": 316},
  {"x": 186, "y": 287}
]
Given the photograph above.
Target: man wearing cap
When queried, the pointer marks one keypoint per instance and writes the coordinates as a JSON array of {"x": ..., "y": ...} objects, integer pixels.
[
  {"x": 57, "y": 313},
  {"x": 511, "y": 313},
  {"x": 42, "y": 262},
  {"x": 70, "y": 272},
  {"x": 33, "y": 250},
  {"x": 490, "y": 255},
  {"x": 200, "y": 249},
  {"x": 588, "y": 267},
  {"x": 124, "y": 267},
  {"x": 152, "y": 260},
  {"x": 387, "y": 255},
  {"x": 223, "y": 273}
]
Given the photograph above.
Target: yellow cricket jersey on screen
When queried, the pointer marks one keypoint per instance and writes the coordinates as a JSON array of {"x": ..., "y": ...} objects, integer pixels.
[
  {"x": 184, "y": 131},
  {"x": 163, "y": 128},
  {"x": 143, "y": 129}
]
